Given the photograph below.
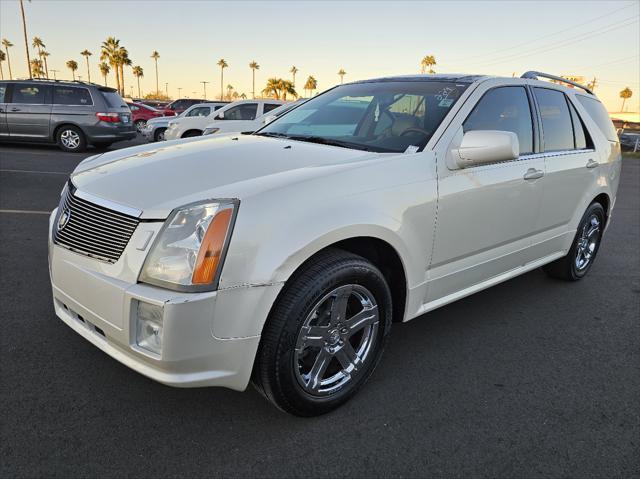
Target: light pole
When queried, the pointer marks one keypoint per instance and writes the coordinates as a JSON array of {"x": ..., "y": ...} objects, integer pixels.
[
  {"x": 54, "y": 72},
  {"x": 179, "y": 90},
  {"x": 166, "y": 89},
  {"x": 204, "y": 86}
]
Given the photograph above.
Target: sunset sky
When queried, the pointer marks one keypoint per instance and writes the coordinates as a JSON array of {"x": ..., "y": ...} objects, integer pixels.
[{"x": 366, "y": 38}]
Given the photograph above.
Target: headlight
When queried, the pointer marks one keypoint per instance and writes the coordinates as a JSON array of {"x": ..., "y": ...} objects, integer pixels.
[
  {"x": 209, "y": 131},
  {"x": 171, "y": 124},
  {"x": 189, "y": 251}
]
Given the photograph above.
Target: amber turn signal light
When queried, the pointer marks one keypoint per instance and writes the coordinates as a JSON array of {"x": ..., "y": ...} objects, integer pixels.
[{"x": 211, "y": 248}]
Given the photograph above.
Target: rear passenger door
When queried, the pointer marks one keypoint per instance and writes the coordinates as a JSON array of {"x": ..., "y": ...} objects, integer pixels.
[
  {"x": 570, "y": 168},
  {"x": 29, "y": 113},
  {"x": 72, "y": 104}
]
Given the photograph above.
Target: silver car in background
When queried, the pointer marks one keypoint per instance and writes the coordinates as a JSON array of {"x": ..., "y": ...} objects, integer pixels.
[{"x": 155, "y": 128}]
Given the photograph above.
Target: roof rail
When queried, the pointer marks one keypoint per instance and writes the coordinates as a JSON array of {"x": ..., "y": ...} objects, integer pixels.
[{"x": 533, "y": 75}]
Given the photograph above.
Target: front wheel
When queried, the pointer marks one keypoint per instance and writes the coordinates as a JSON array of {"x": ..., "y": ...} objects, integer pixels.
[
  {"x": 577, "y": 263},
  {"x": 159, "y": 134},
  {"x": 325, "y": 334},
  {"x": 140, "y": 124},
  {"x": 70, "y": 138}
]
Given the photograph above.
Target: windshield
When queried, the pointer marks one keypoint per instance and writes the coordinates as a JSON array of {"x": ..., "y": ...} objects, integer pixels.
[{"x": 385, "y": 116}]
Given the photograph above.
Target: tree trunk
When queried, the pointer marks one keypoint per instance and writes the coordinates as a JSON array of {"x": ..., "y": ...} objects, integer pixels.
[
  {"x": 139, "y": 95},
  {"x": 221, "y": 83},
  {"x": 26, "y": 42},
  {"x": 73, "y": 72},
  {"x": 253, "y": 83},
  {"x": 105, "y": 80},
  {"x": 9, "y": 63},
  {"x": 122, "y": 79},
  {"x": 88, "y": 71},
  {"x": 115, "y": 69},
  {"x": 157, "y": 88},
  {"x": 1, "y": 72},
  {"x": 623, "y": 102},
  {"x": 46, "y": 67}
]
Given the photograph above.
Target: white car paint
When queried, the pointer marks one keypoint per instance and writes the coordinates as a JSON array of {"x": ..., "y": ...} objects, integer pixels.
[
  {"x": 161, "y": 123},
  {"x": 222, "y": 127},
  {"x": 194, "y": 126},
  {"x": 456, "y": 231}
]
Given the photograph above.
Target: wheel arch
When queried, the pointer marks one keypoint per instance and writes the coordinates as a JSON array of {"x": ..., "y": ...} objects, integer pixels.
[
  {"x": 191, "y": 130},
  {"x": 57, "y": 128}
]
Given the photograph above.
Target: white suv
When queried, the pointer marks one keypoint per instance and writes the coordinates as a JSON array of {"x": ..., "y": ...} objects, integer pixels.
[
  {"x": 235, "y": 112},
  {"x": 283, "y": 257}
]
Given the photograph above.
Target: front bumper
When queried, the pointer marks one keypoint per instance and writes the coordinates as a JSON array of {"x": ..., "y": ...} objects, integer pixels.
[{"x": 97, "y": 300}]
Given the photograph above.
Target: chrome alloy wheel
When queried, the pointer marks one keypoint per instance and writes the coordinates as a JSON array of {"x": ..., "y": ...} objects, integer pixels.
[
  {"x": 336, "y": 339},
  {"x": 587, "y": 243},
  {"x": 70, "y": 139}
]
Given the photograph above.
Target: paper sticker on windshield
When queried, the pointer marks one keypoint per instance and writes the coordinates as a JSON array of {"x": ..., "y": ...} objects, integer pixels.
[
  {"x": 445, "y": 103},
  {"x": 412, "y": 149}
]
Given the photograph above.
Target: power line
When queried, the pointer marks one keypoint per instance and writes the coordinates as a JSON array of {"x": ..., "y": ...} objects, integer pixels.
[
  {"x": 555, "y": 33},
  {"x": 562, "y": 44}
]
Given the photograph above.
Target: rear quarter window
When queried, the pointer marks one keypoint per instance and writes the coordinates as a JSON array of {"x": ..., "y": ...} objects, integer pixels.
[
  {"x": 598, "y": 113},
  {"x": 113, "y": 99}
]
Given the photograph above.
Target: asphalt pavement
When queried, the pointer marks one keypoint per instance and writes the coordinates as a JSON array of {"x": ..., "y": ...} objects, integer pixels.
[{"x": 532, "y": 378}]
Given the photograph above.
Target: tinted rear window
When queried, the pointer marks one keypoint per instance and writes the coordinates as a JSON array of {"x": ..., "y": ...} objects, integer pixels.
[
  {"x": 599, "y": 114},
  {"x": 557, "y": 127},
  {"x": 65, "y": 95},
  {"x": 113, "y": 99}
]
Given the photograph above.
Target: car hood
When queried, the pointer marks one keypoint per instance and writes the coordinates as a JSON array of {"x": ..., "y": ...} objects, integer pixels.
[{"x": 155, "y": 179}]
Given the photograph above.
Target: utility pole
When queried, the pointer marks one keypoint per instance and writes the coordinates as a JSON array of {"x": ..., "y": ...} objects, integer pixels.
[
  {"x": 54, "y": 72},
  {"x": 204, "y": 86},
  {"x": 593, "y": 84}
]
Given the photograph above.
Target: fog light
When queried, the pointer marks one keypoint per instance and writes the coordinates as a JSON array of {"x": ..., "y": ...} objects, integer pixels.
[{"x": 149, "y": 327}]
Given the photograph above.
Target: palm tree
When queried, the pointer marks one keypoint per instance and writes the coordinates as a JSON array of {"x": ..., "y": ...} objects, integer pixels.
[
  {"x": 254, "y": 66},
  {"x": 122, "y": 58},
  {"x": 26, "y": 42},
  {"x": 86, "y": 54},
  {"x": 311, "y": 85},
  {"x": 286, "y": 87},
  {"x": 229, "y": 90},
  {"x": 625, "y": 95},
  {"x": 138, "y": 72},
  {"x": 73, "y": 66},
  {"x": 7, "y": 44},
  {"x": 3, "y": 57},
  {"x": 222, "y": 63},
  {"x": 155, "y": 55},
  {"x": 43, "y": 55},
  {"x": 293, "y": 71},
  {"x": 427, "y": 61},
  {"x": 341, "y": 74},
  {"x": 272, "y": 88},
  {"x": 108, "y": 52},
  {"x": 104, "y": 70},
  {"x": 243, "y": 96},
  {"x": 36, "y": 68},
  {"x": 39, "y": 44}
]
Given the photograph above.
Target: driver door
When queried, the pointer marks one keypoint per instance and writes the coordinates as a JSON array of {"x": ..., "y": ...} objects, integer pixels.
[{"x": 487, "y": 213}]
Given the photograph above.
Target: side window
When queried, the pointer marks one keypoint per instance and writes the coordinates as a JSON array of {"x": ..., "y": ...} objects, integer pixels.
[
  {"x": 599, "y": 114},
  {"x": 557, "y": 128},
  {"x": 246, "y": 111},
  {"x": 200, "y": 111},
  {"x": 217, "y": 107},
  {"x": 30, "y": 94},
  {"x": 3, "y": 90},
  {"x": 580, "y": 133},
  {"x": 133, "y": 108},
  {"x": 63, "y": 95},
  {"x": 268, "y": 107},
  {"x": 505, "y": 109}
]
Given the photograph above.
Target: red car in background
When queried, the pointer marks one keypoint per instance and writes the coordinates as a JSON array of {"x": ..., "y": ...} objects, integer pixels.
[
  {"x": 178, "y": 106},
  {"x": 140, "y": 113}
]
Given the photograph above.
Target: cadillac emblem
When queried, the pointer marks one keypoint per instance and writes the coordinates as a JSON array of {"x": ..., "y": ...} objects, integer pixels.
[{"x": 63, "y": 220}]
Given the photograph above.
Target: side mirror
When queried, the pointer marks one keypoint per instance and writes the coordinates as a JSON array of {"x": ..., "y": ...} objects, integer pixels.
[
  {"x": 269, "y": 119},
  {"x": 486, "y": 146}
]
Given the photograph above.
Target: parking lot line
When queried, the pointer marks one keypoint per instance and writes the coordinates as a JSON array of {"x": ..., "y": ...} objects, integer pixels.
[
  {"x": 3, "y": 170},
  {"x": 27, "y": 212}
]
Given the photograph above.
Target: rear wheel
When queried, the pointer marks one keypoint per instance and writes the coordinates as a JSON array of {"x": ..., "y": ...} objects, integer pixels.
[
  {"x": 577, "y": 263},
  {"x": 158, "y": 135},
  {"x": 70, "y": 138},
  {"x": 325, "y": 335}
]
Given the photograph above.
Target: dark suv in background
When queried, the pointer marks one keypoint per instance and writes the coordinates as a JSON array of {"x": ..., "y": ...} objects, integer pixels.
[{"x": 71, "y": 114}]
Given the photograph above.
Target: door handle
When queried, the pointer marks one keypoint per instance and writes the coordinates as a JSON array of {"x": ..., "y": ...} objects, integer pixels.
[
  {"x": 533, "y": 174},
  {"x": 15, "y": 109},
  {"x": 592, "y": 163}
]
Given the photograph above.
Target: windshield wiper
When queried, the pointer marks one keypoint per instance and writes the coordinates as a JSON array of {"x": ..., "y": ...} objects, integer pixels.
[
  {"x": 329, "y": 141},
  {"x": 271, "y": 134}
]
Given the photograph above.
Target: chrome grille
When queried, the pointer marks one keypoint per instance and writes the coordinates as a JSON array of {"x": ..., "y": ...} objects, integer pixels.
[{"x": 91, "y": 229}]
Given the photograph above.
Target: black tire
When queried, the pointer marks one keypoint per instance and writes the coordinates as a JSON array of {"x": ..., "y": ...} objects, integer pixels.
[
  {"x": 139, "y": 124},
  {"x": 158, "y": 135},
  {"x": 568, "y": 267},
  {"x": 191, "y": 134},
  {"x": 70, "y": 138},
  {"x": 277, "y": 374}
]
